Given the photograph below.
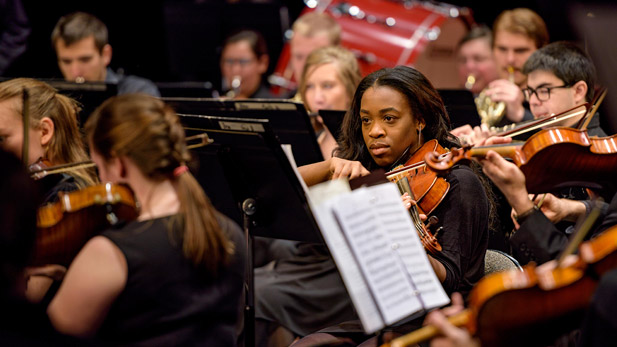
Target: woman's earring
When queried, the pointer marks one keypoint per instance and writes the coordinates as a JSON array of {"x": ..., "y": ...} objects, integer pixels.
[{"x": 419, "y": 135}]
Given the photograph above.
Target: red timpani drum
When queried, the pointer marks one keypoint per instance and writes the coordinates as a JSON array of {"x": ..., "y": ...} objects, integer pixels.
[{"x": 387, "y": 33}]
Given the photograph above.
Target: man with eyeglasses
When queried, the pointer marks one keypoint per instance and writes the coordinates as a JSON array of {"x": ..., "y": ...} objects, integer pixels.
[
  {"x": 244, "y": 61},
  {"x": 560, "y": 76}
]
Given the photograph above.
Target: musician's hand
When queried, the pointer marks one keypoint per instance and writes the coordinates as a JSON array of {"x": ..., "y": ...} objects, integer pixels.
[
  {"x": 494, "y": 140},
  {"x": 551, "y": 265},
  {"x": 451, "y": 335},
  {"x": 472, "y": 136},
  {"x": 408, "y": 202},
  {"x": 513, "y": 217},
  {"x": 550, "y": 205},
  {"x": 40, "y": 278},
  {"x": 462, "y": 130},
  {"x": 54, "y": 271},
  {"x": 556, "y": 209},
  {"x": 340, "y": 168},
  {"x": 508, "y": 92},
  {"x": 509, "y": 179}
]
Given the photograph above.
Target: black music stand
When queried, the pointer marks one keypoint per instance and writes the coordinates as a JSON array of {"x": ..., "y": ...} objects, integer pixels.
[
  {"x": 186, "y": 89},
  {"x": 333, "y": 119},
  {"x": 288, "y": 120},
  {"x": 461, "y": 107},
  {"x": 246, "y": 174},
  {"x": 89, "y": 94}
]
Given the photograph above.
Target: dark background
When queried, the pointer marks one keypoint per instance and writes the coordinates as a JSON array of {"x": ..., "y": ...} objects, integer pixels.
[
  {"x": 168, "y": 41},
  {"x": 180, "y": 40}
]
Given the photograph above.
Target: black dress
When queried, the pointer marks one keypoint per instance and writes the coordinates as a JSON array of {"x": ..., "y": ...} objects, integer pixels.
[{"x": 167, "y": 301}]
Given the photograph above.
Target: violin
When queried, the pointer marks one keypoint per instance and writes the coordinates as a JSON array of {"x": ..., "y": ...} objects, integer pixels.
[
  {"x": 65, "y": 226},
  {"x": 523, "y": 308},
  {"x": 551, "y": 159},
  {"x": 426, "y": 188}
]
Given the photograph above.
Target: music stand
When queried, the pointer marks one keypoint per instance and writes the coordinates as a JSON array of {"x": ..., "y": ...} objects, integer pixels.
[
  {"x": 89, "y": 94},
  {"x": 186, "y": 89},
  {"x": 461, "y": 107},
  {"x": 333, "y": 119},
  {"x": 288, "y": 120},
  {"x": 246, "y": 174}
]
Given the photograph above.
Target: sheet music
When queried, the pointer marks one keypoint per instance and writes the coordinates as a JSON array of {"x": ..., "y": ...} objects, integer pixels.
[
  {"x": 380, "y": 264},
  {"x": 322, "y": 197},
  {"x": 377, "y": 250},
  {"x": 403, "y": 236}
]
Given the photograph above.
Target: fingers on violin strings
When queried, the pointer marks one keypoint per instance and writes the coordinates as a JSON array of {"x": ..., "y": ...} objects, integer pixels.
[{"x": 406, "y": 200}]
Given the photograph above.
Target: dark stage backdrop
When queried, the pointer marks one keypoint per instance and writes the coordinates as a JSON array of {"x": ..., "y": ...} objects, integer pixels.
[{"x": 179, "y": 40}]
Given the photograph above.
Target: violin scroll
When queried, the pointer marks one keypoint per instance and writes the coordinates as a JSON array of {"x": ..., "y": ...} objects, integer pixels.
[
  {"x": 38, "y": 169},
  {"x": 442, "y": 163}
]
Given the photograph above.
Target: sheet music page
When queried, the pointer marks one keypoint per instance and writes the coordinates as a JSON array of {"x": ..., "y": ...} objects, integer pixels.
[
  {"x": 322, "y": 197},
  {"x": 402, "y": 234},
  {"x": 379, "y": 261}
]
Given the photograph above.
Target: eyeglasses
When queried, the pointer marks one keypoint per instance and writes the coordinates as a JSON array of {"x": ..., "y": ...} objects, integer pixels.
[
  {"x": 241, "y": 62},
  {"x": 542, "y": 93}
]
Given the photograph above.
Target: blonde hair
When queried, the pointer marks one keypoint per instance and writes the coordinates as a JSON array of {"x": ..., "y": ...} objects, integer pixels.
[
  {"x": 314, "y": 23},
  {"x": 347, "y": 68},
  {"x": 525, "y": 22},
  {"x": 147, "y": 131},
  {"x": 66, "y": 145}
]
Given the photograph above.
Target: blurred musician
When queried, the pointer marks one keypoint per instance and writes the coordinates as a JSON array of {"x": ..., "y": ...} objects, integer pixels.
[
  {"x": 244, "y": 61},
  {"x": 53, "y": 136},
  {"x": 311, "y": 31},
  {"x": 329, "y": 80},
  {"x": 175, "y": 275},
  {"x": 84, "y": 53}
]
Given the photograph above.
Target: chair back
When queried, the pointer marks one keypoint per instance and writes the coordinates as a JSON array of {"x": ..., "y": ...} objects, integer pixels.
[{"x": 496, "y": 261}]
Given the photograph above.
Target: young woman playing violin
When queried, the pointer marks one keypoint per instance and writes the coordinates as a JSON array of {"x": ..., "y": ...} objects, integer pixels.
[
  {"x": 175, "y": 275},
  {"x": 393, "y": 112},
  {"x": 53, "y": 135}
]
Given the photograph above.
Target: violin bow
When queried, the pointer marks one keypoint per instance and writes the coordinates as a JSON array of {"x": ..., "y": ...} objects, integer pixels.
[
  {"x": 25, "y": 113},
  {"x": 573, "y": 112},
  {"x": 581, "y": 232},
  {"x": 36, "y": 174},
  {"x": 585, "y": 121}
]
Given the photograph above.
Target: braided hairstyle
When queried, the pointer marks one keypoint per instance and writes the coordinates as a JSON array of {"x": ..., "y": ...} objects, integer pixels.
[{"x": 148, "y": 132}]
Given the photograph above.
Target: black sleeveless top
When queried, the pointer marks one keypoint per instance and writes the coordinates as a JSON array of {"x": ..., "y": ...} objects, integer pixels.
[{"x": 167, "y": 301}]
